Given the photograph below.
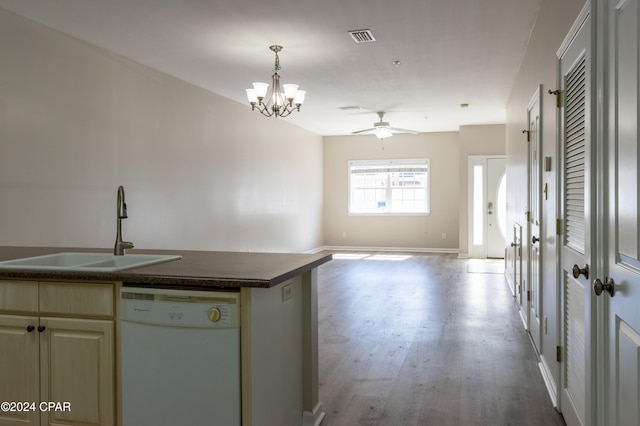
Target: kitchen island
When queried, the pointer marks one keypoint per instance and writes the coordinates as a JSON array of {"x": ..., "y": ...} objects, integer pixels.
[{"x": 279, "y": 340}]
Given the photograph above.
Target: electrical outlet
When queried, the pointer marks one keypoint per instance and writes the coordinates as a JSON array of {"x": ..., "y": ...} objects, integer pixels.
[
  {"x": 287, "y": 292},
  {"x": 444, "y": 236},
  {"x": 344, "y": 234}
]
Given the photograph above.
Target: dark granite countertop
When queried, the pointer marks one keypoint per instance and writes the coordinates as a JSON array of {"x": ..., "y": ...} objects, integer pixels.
[{"x": 196, "y": 269}]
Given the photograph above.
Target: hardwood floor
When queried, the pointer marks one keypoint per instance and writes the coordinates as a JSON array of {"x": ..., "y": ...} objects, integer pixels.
[{"x": 422, "y": 341}]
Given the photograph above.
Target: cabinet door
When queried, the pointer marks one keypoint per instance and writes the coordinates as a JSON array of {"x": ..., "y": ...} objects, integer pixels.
[
  {"x": 76, "y": 363},
  {"x": 19, "y": 372}
]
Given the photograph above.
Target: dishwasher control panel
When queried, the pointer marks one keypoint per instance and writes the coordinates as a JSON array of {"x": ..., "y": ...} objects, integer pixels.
[{"x": 180, "y": 308}]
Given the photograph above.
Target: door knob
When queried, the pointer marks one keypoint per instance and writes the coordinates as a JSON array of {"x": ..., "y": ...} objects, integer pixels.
[
  {"x": 534, "y": 239},
  {"x": 30, "y": 328},
  {"x": 41, "y": 328},
  {"x": 578, "y": 270},
  {"x": 514, "y": 244},
  {"x": 608, "y": 286}
]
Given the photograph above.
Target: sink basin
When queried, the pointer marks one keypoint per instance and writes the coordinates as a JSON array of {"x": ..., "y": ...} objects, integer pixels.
[{"x": 95, "y": 262}]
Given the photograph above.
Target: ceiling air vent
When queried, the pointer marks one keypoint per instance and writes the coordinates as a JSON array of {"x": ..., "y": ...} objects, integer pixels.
[{"x": 362, "y": 36}]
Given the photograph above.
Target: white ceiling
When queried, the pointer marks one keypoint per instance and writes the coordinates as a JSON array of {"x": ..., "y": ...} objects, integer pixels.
[{"x": 451, "y": 52}]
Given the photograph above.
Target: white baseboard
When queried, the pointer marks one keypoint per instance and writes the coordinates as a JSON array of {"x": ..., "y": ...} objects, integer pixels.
[
  {"x": 314, "y": 251},
  {"x": 510, "y": 282},
  {"x": 313, "y": 418},
  {"x": 391, "y": 249},
  {"x": 548, "y": 381},
  {"x": 524, "y": 320}
]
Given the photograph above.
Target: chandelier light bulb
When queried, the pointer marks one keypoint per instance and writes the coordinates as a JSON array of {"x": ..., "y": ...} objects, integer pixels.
[
  {"x": 290, "y": 90},
  {"x": 260, "y": 89},
  {"x": 299, "y": 97},
  {"x": 251, "y": 96}
]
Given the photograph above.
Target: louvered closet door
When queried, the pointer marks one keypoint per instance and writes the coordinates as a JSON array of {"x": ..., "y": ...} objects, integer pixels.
[{"x": 576, "y": 208}]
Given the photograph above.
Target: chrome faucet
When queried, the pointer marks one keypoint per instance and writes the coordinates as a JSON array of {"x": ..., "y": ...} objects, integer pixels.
[{"x": 118, "y": 250}]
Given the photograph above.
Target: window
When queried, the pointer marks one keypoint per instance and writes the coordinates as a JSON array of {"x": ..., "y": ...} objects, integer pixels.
[{"x": 389, "y": 186}]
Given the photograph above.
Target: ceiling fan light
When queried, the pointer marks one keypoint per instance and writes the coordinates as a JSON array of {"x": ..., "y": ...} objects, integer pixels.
[
  {"x": 290, "y": 90},
  {"x": 382, "y": 133},
  {"x": 299, "y": 98},
  {"x": 260, "y": 89}
]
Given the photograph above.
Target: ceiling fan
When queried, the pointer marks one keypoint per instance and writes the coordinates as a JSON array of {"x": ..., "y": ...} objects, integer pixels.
[{"x": 382, "y": 129}]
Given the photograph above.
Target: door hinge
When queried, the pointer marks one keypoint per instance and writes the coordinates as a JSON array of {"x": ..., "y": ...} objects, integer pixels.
[
  {"x": 558, "y": 226},
  {"x": 528, "y": 295},
  {"x": 559, "y": 353},
  {"x": 558, "y": 94},
  {"x": 528, "y": 216}
]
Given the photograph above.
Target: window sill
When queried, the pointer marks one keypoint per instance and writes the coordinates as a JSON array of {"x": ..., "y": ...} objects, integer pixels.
[{"x": 388, "y": 214}]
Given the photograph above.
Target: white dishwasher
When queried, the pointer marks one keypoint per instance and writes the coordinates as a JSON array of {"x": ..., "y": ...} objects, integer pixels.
[{"x": 180, "y": 357}]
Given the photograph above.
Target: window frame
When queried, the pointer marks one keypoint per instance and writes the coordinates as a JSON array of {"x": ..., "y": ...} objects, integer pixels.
[{"x": 411, "y": 164}]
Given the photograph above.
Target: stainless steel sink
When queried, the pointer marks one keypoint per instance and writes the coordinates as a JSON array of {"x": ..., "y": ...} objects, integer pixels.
[{"x": 95, "y": 262}]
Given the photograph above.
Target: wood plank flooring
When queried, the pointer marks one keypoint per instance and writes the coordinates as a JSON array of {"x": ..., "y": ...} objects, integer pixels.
[{"x": 422, "y": 341}]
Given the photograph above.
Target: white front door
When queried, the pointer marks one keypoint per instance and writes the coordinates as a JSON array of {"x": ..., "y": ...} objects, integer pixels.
[
  {"x": 578, "y": 386},
  {"x": 487, "y": 206},
  {"x": 496, "y": 207},
  {"x": 619, "y": 284}
]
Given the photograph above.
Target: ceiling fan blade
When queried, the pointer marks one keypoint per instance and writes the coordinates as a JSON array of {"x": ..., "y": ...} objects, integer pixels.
[
  {"x": 399, "y": 130},
  {"x": 364, "y": 131},
  {"x": 380, "y": 126}
]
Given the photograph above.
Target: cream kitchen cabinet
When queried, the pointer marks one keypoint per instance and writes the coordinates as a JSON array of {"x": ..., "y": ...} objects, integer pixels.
[{"x": 57, "y": 346}]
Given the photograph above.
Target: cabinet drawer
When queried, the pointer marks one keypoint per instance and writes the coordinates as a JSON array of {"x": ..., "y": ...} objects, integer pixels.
[
  {"x": 91, "y": 299},
  {"x": 19, "y": 296}
]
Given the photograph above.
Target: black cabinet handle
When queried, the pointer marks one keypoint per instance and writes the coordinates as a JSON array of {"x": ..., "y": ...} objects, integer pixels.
[
  {"x": 30, "y": 328},
  {"x": 41, "y": 328}
]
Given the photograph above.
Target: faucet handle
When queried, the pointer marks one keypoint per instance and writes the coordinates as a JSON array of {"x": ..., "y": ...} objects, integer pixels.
[{"x": 120, "y": 246}]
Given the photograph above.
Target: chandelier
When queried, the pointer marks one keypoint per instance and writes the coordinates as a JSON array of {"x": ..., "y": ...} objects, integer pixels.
[{"x": 283, "y": 99}]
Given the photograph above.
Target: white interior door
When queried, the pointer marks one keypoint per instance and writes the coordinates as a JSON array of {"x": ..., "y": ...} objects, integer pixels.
[
  {"x": 533, "y": 288},
  {"x": 578, "y": 329},
  {"x": 620, "y": 298}
]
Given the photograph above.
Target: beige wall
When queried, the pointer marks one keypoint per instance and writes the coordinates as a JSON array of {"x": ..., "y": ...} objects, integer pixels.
[
  {"x": 448, "y": 152},
  {"x": 393, "y": 231},
  {"x": 200, "y": 171}
]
